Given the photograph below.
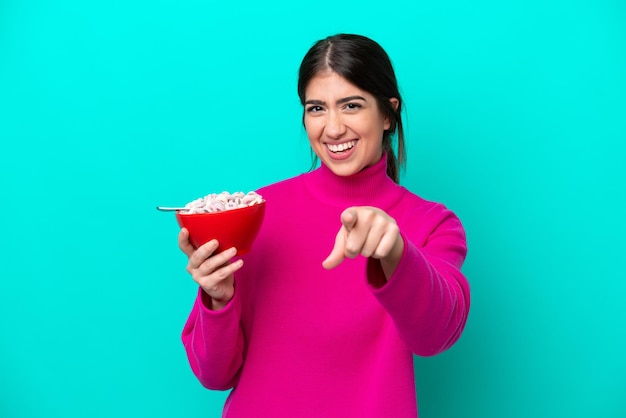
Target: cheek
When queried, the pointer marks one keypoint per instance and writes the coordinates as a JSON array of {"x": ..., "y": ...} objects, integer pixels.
[{"x": 312, "y": 128}]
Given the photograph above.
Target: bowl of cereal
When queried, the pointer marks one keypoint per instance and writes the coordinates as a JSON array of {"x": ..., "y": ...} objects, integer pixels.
[{"x": 234, "y": 220}]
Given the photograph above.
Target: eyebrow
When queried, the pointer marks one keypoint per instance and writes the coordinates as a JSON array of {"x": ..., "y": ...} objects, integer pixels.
[{"x": 340, "y": 101}]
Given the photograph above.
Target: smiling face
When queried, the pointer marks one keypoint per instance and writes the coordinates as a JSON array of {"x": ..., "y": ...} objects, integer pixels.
[{"x": 344, "y": 124}]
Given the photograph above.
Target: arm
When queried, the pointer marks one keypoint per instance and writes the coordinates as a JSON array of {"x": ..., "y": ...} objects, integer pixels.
[
  {"x": 427, "y": 296},
  {"x": 212, "y": 335},
  {"x": 214, "y": 343}
]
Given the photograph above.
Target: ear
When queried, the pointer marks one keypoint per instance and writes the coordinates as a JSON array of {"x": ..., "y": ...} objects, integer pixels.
[{"x": 394, "y": 103}]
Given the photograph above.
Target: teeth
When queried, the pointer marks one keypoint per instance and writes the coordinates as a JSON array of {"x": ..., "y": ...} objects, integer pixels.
[{"x": 341, "y": 147}]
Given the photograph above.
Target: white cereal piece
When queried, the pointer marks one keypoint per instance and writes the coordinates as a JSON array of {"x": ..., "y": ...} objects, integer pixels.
[{"x": 214, "y": 202}]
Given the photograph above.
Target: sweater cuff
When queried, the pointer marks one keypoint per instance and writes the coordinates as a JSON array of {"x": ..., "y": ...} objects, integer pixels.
[
  {"x": 374, "y": 271},
  {"x": 376, "y": 277},
  {"x": 202, "y": 300}
]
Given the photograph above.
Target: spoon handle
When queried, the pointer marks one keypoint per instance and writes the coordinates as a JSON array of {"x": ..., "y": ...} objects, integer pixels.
[{"x": 169, "y": 209}]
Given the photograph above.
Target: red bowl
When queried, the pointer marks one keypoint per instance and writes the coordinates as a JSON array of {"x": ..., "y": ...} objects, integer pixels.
[{"x": 231, "y": 228}]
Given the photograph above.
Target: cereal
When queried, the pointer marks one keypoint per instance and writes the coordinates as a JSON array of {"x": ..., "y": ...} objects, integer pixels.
[{"x": 218, "y": 202}]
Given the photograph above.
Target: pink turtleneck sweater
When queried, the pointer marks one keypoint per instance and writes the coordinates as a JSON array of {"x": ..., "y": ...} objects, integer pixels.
[{"x": 300, "y": 341}]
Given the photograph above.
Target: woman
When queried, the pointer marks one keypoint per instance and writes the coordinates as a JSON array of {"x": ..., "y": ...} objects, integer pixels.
[{"x": 351, "y": 273}]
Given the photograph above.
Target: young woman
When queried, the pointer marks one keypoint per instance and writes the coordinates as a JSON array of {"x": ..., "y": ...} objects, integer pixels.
[{"x": 351, "y": 274}]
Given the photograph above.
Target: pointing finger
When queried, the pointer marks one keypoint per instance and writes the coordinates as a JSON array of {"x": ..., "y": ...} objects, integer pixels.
[{"x": 337, "y": 254}]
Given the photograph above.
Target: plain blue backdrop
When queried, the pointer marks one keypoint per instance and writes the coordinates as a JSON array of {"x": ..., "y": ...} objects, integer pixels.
[{"x": 515, "y": 118}]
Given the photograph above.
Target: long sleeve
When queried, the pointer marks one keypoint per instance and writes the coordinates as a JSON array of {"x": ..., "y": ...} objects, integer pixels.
[
  {"x": 428, "y": 295},
  {"x": 300, "y": 340},
  {"x": 214, "y": 343}
]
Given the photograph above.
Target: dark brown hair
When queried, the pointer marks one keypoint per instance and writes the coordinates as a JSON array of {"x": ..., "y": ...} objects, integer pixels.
[{"x": 364, "y": 63}]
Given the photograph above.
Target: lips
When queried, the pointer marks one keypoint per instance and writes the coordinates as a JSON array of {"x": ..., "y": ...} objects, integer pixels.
[
  {"x": 338, "y": 148},
  {"x": 341, "y": 151}
]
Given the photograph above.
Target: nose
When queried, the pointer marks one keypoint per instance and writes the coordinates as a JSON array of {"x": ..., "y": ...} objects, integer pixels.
[{"x": 335, "y": 127}]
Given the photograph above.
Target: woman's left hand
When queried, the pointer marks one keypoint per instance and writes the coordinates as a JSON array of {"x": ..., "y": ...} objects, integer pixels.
[{"x": 370, "y": 232}]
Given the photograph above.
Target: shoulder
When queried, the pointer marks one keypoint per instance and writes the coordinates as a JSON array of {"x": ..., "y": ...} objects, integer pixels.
[
  {"x": 412, "y": 203},
  {"x": 422, "y": 216},
  {"x": 284, "y": 190}
]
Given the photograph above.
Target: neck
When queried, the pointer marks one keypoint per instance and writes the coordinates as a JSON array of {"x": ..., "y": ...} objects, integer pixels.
[{"x": 367, "y": 187}]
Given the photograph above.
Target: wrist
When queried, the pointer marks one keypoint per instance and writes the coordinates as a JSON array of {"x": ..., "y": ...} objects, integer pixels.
[
  {"x": 391, "y": 261},
  {"x": 212, "y": 303}
]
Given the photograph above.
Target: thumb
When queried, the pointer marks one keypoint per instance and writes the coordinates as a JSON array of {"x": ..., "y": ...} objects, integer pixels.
[
  {"x": 349, "y": 218},
  {"x": 338, "y": 252}
]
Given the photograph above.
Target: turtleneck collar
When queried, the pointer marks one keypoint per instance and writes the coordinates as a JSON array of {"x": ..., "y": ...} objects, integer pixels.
[{"x": 370, "y": 186}]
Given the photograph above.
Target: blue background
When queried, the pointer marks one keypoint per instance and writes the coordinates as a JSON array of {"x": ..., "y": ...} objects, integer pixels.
[{"x": 515, "y": 115}]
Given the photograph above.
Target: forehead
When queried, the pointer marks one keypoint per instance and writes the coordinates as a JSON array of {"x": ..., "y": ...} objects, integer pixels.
[{"x": 331, "y": 85}]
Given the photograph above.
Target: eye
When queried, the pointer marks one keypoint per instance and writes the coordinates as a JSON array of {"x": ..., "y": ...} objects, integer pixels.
[
  {"x": 353, "y": 106},
  {"x": 314, "y": 109}
]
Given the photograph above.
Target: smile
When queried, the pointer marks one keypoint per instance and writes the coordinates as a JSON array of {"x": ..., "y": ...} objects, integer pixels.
[{"x": 341, "y": 147}]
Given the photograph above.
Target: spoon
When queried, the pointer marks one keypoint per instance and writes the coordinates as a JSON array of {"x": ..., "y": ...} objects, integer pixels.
[{"x": 170, "y": 209}]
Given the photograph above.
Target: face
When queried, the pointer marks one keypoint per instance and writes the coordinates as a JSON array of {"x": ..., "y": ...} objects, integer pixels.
[{"x": 343, "y": 123}]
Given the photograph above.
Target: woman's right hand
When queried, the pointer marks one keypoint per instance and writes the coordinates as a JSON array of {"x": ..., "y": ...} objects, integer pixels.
[{"x": 213, "y": 272}]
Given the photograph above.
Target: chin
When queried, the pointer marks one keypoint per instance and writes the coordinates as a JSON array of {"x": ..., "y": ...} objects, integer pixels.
[{"x": 342, "y": 171}]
